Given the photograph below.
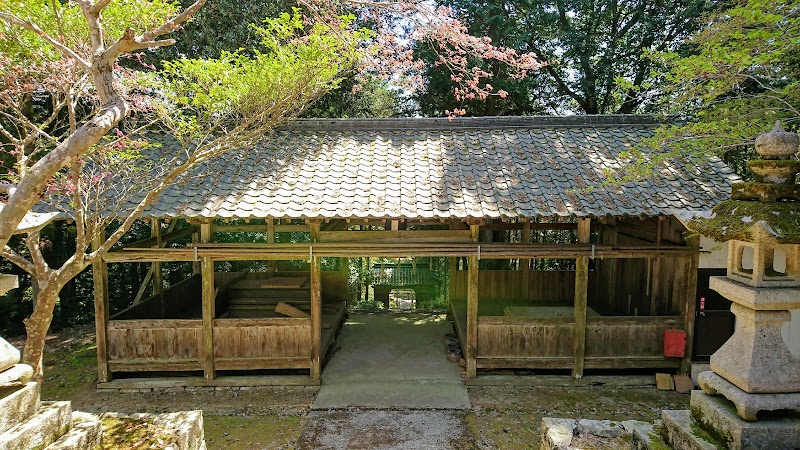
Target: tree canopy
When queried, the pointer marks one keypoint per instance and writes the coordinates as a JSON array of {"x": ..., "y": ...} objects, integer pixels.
[{"x": 597, "y": 53}]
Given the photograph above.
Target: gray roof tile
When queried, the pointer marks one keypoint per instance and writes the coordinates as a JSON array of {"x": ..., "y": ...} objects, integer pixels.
[{"x": 424, "y": 168}]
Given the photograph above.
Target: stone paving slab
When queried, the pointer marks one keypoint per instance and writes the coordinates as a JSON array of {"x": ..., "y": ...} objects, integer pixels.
[
  {"x": 394, "y": 394},
  {"x": 393, "y": 361},
  {"x": 387, "y": 430}
]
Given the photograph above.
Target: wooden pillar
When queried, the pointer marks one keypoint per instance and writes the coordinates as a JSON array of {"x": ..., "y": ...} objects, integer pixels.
[
  {"x": 655, "y": 277},
  {"x": 525, "y": 263},
  {"x": 581, "y": 293},
  {"x": 472, "y": 309},
  {"x": 609, "y": 266},
  {"x": 100, "y": 277},
  {"x": 196, "y": 264},
  {"x": 207, "y": 274},
  {"x": 316, "y": 319},
  {"x": 346, "y": 275},
  {"x": 316, "y": 306},
  {"x": 689, "y": 302},
  {"x": 158, "y": 276},
  {"x": 270, "y": 240},
  {"x": 451, "y": 285}
]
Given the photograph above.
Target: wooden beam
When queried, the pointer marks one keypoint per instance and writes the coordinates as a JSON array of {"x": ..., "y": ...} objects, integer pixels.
[
  {"x": 100, "y": 277},
  {"x": 143, "y": 288},
  {"x": 316, "y": 319},
  {"x": 257, "y": 228},
  {"x": 472, "y": 308},
  {"x": 195, "y": 264},
  {"x": 689, "y": 303},
  {"x": 398, "y": 236},
  {"x": 299, "y": 251},
  {"x": 581, "y": 294},
  {"x": 171, "y": 235}
]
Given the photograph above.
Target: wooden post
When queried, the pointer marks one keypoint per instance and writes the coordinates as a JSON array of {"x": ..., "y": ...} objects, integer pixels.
[
  {"x": 316, "y": 319},
  {"x": 451, "y": 285},
  {"x": 472, "y": 309},
  {"x": 346, "y": 275},
  {"x": 525, "y": 263},
  {"x": 270, "y": 240},
  {"x": 207, "y": 274},
  {"x": 609, "y": 266},
  {"x": 655, "y": 278},
  {"x": 158, "y": 276},
  {"x": 690, "y": 293},
  {"x": 316, "y": 306},
  {"x": 581, "y": 293},
  {"x": 196, "y": 264},
  {"x": 100, "y": 277}
]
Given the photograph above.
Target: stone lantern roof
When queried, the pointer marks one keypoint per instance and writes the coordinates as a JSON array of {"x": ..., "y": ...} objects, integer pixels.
[{"x": 769, "y": 206}]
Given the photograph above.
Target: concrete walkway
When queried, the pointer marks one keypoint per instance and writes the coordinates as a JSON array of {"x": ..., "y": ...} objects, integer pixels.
[{"x": 392, "y": 361}]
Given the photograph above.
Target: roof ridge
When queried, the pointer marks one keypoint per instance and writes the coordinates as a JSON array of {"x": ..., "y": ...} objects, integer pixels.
[{"x": 489, "y": 122}]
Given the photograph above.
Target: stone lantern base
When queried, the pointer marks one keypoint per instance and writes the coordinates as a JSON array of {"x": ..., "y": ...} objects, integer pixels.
[{"x": 713, "y": 423}]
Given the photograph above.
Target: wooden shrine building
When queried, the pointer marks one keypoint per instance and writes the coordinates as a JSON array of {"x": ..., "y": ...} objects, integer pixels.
[{"x": 593, "y": 275}]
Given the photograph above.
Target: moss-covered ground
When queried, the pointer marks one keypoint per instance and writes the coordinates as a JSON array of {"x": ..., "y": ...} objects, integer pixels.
[{"x": 501, "y": 418}]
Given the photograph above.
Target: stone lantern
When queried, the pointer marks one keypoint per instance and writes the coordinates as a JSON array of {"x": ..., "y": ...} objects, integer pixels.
[{"x": 751, "y": 397}]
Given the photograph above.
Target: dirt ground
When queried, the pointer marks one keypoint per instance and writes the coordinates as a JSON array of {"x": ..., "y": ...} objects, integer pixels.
[{"x": 505, "y": 417}]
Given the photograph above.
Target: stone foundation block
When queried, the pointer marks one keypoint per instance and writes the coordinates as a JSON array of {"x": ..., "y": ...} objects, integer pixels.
[
  {"x": 17, "y": 375},
  {"x": 186, "y": 425},
  {"x": 681, "y": 433},
  {"x": 747, "y": 405},
  {"x": 86, "y": 433},
  {"x": 8, "y": 355},
  {"x": 18, "y": 406},
  {"x": 718, "y": 416},
  {"x": 50, "y": 422}
]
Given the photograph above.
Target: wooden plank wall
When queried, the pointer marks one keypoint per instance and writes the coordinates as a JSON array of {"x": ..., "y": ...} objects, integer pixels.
[
  {"x": 493, "y": 285},
  {"x": 611, "y": 342},
  {"x": 262, "y": 343},
  {"x": 628, "y": 336},
  {"x": 148, "y": 345},
  {"x": 516, "y": 337}
]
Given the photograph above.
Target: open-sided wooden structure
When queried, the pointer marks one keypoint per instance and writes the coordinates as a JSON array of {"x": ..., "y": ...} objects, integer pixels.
[{"x": 469, "y": 190}]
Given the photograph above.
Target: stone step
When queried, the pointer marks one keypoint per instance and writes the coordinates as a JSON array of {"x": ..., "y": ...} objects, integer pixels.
[
  {"x": 648, "y": 437},
  {"x": 18, "y": 405},
  {"x": 86, "y": 433},
  {"x": 17, "y": 374},
  {"x": 681, "y": 433},
  {"x": 50, "y": 422}
]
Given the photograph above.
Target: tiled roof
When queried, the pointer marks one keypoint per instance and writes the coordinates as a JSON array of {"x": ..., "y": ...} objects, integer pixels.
[{"x": 434, "y": 168}]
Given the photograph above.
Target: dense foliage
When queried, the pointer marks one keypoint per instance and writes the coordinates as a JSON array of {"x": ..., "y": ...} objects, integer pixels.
[
  {"x": 743, "y": 76},
  {"x": 597, "y": 54}
]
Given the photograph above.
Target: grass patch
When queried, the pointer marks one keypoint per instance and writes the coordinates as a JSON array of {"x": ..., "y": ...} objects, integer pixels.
[
  {"x": 69, "y": 370},
  {"x": 273, "y": 431}
]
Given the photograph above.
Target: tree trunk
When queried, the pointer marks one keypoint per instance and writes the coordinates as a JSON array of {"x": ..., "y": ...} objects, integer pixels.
[{"x": 38, "y": 324}]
